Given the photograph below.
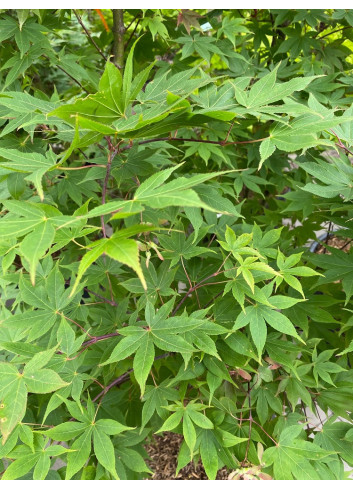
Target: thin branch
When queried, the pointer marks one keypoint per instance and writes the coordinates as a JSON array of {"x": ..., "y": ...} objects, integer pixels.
[
  {"x": 68, "y": 74},
  {"x": 340, "y": 144},
  {"x": 83, "y": 153},
  {"x": 76, "y": 323},
  {"x": 133, "y": 20},
  {"x": 122, "y": 378},
  {"x": 90, "y": 37},
  {"x": 132, "y": 34},
  {"x": 111, "y": 155},
  {"x": 212, "y": 300},
  {"x": 95, "y": 339},
  {"x": 104, "y": 299},
  {"x": 119, "y": 380},
  {"x": 261, "y": 427},
  {"x": 197, "y": 286},
  {"x": 348, "y": 242},
  {"x": 334, "y": 32},
  {"x": 105, "y": 187},
  {"x": 80, "y": 167},
  {"x": 219, "y": 143},
  {"x": 250, "y": 425},
  {"x": 186, "y": 273},
  {"x": 345, "y": 148},
  {"x": 229, "y": 131}
]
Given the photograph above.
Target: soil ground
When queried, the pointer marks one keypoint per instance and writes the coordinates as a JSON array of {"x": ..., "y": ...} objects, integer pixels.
[
  {"x": 343, "y": 244},
  {"x": 163, "y": 451}
]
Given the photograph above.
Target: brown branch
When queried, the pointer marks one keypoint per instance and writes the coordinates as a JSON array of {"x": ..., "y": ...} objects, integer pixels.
[
  {"x": 68, "y": 74},
  {"x": 80, "y": 167},
  {"x": 195, "y": 287},
  {"x": 122, "y": 378},
  {"x": 133, "y": 20},
  {"x": 76, "y": 323},
  {"x": 113, "y": 151},
  {"x": 212, "y": 300},
  {"x": 90, "y": 37},
  {"x": 199, "y": 284},
  {"x": 334, "y": 32},
  {"x": 106, "y": 180},
  {"x": 104, "y": 299},
  {"x": 119, "y": 380},
  {"x": 219, "y": 143},
  {"x": 250, "y": 426},
  {"x": 95, "y": 339},
  {"x": 340, "y": 144},
  {"x": 118, "y": 33},
  {"x": 132, "y": 34}
]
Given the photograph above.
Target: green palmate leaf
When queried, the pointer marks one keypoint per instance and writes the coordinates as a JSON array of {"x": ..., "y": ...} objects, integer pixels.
[
  {"x": 176, "y": 192},
  {"x": 288, "y": 271},
  {"x": 291, "y": 457},
  {"x": 104, "y": 450},
  {"x": 66, "y": 431},
  {"x": 43, "y": 381},
  {"x": 257, "y": 316},
  {"x": 42, "y": 467},
  {"x": 189, "y": 433},
  {"x": 303, "y": 132},
  {"x": 15, "y": 227},
  {"x": 267, "y": 91},
  {"x": 126, "y": 347},
  {"x": 13, "y": 401},
  {"x": 20, "y": 467},
  {"x": 172, "y": 422},
  {"x": 209, "y": 455},
  {"x": 174, "y": 343},
  {"x": 125, "y": 251},
  {"x": 87, "y": 260},
  {"x": 35, "y": 245},
  {"x": 120, "y": 249},
  {"x": 335, "y": 437},
  {"x": 111, "y": 427},
  {"x": 143, "y": 361},
  {"x": 337, "y": 178},
  {"x": 162, "y": 248},
  {"x": 14, "y": 389},
  {"x": 267, "y": 148},
  {"x": 34, "y": 163},
  {"x": 82, "y": 449}
]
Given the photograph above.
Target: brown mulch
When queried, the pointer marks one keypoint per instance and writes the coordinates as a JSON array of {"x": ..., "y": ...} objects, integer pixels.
[
  {"x": 335, "y": 242},
  {"x": 163, "y": 451}
]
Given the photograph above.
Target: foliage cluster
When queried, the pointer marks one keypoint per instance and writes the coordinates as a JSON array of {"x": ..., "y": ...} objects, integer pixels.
[{"x": 161, "y": 175}]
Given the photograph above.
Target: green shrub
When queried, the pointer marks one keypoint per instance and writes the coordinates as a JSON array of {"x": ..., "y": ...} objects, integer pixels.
[{"x": 163, "y": 174}]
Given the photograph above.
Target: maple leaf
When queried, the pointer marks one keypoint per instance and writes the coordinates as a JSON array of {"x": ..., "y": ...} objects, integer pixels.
[{"x": 188, "y": 18}]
